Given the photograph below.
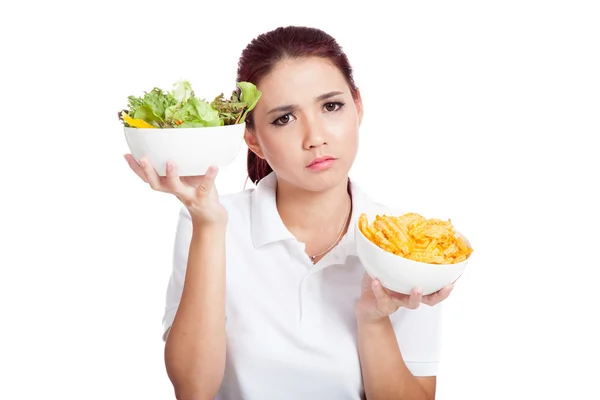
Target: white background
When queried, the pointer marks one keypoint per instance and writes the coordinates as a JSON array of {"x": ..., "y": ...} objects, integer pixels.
[{"x": 483, "y": 112}]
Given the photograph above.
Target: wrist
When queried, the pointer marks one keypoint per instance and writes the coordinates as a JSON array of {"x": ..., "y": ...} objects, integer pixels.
[
  {"x": 367, "y": 319},
  {"x": 210, "y": 230},
  {"x": 371, "y": 328}
]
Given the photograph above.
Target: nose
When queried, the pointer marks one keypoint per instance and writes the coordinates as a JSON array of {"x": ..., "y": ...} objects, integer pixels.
[{"x": 314, "y": 134}]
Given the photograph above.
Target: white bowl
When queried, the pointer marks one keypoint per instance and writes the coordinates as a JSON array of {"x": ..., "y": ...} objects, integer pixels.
[
  {"x": 192, "y": 149},
  {"x": 401, "y": 274}
]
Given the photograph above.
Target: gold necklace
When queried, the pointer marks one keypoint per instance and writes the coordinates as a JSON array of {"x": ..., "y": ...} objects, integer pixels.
[{"x": 312, "y": 258}]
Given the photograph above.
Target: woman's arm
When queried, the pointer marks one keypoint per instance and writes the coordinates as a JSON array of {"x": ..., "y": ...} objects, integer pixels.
[
  {"x": 385, "y": 375},
  {"x": 195, "y": 347},
  {"x": 385, "y": 372}
]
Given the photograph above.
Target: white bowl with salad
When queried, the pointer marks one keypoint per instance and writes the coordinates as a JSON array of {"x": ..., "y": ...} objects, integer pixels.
[{"x": 180, "y": 127}]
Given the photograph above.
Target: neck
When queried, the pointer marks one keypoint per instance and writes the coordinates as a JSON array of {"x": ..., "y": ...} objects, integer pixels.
[{"x": 313, "y": 216}]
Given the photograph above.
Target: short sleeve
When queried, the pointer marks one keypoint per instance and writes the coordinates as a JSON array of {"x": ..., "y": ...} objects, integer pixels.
[
  {"x": 183, "y": 237},
  {"x": 419, "y": 338}
]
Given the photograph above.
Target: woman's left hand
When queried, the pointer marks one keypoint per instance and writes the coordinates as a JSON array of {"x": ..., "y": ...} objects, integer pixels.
[{"x": 377, "y": 302}]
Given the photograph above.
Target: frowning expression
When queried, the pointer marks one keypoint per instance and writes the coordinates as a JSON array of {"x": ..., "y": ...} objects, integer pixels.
[{"x": 306, "y": 123}]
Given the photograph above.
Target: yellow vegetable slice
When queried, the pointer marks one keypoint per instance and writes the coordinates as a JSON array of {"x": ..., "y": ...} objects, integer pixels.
[{"x": 136, "y": 123}]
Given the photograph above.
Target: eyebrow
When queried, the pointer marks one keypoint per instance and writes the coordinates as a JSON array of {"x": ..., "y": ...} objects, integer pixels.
[{"x": 291, "y": 107}]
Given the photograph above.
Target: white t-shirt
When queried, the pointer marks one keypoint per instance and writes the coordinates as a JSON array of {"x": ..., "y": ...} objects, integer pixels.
[{"x": 291, "y": 327}]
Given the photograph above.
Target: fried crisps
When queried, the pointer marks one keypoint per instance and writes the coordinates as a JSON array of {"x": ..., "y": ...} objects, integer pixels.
[{"x": 414, "y": 237}]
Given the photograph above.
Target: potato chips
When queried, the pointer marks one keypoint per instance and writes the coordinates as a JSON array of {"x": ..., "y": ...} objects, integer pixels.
[{"x": 416, "y": 238}]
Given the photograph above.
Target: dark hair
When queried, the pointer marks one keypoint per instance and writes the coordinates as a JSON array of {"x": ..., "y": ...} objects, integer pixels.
[{"x": 264, "y": 51}]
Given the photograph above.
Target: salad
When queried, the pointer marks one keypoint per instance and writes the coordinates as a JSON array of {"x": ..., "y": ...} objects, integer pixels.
[{"x": 180, "y": 108}]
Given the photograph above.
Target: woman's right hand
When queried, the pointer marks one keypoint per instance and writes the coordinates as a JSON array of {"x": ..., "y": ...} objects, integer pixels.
[{"x": 197, "y": 193}]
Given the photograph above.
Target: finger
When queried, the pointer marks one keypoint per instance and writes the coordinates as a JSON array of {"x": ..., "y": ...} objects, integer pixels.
[
  {"x": 133, "y": 164},
  {"x": 439, "y": 296},
  {"x": 385, "y": 304},
  {"x": 173, "y": 181},
  {"x": 414, "y": 301},
  {"x": 400, "y": 297},
  {"x": 209, "y": 179},
  {"x": 151, "y": 175},
  {"x": 367, "y": 283}
]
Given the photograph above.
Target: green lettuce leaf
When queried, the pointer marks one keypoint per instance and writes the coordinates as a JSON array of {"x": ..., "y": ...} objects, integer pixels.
[
  {"x": 181, "y": 108},
  {"x": 205, "y": 112},
  {"x": 250, "y": 95},
  {"x": 182, "y": 91},
  {"x": 151, "y": 106},
  {"x": 146, "y": 113},
  {"x": 201, "y": 124},
  {"x": 194, "y": 112}
]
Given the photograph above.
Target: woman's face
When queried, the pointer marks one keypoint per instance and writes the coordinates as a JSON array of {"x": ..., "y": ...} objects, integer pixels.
[{"x": 306, "y": 113}]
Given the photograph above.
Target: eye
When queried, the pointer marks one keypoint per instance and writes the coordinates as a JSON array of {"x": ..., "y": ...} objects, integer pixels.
[
  {"x": 333, "y": 106},
  {"x": 283, "y": 120}
]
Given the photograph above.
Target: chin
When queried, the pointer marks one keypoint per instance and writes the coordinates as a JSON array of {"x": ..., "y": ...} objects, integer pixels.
[
  {"x": 324, "y": 180},
  {"x": 320, "y": 180}
]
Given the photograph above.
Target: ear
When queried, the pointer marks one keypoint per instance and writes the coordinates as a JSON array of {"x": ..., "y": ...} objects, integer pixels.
[
  {"x": 252, "y": 143},
  {"x": 359, "y": 106}
]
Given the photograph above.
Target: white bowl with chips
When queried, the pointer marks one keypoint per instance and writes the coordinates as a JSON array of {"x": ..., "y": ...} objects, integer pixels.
[
  {"x": 192, "y": 149},
  {"x": 402, "y": 274}
]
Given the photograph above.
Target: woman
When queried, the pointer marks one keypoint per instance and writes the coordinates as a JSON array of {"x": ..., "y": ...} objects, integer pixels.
[{"x": 267, "y": 298}]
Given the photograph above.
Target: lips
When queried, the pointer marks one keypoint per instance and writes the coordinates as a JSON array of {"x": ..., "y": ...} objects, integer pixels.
[{"x": 320, "y": 160}]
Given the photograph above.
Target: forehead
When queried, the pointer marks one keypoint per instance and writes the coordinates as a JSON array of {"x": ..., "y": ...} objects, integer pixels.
[{"x": 297, "y": 81}]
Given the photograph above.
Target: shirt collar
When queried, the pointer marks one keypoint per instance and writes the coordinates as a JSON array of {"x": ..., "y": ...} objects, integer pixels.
[{"x": 267, "y": 226}]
